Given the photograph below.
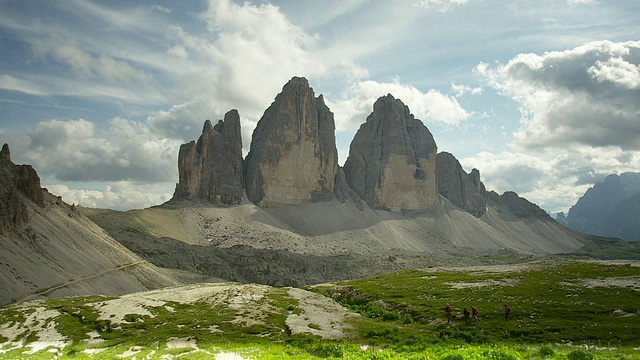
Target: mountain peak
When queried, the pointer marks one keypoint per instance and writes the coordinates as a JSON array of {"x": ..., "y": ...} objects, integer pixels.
[
  {"x": 211, "y": 169},
  {"x": 392, "y": 159},
  {"x": 293, "y": 158},
  {"x": 609, "y": 208},
  {"x": 5, "y": 154},
  {"x": 19, "y": 184}
]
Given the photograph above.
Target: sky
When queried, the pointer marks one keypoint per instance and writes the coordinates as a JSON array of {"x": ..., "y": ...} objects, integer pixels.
[{"x": 542, "y": 97}]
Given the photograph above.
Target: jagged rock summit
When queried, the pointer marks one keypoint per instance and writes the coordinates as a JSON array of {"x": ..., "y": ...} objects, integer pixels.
[
  {"x": 293, "y": 158},
  {"x": 211, "y": 169},
  {"x": 466, "y": 191},
  {"x": 19, "y": 184},
  {"x": 392, "y": 159}
]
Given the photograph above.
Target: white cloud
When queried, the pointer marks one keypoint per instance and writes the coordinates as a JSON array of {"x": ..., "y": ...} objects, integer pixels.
[
  {"x": 555, "y": 181},
  {"x": 459, "y": 90},
  {"x": 440, "y": 5},
  {"x": 580, "y": 121},
  {"x": 121, "y": 195},
  {"x": 617, "y": 70},
  {"x": 12, "y": 83},
  {"x": 581, "y": 2},
  {"x": 76, "y": 150},
  {"x": 249, "y": 53},
  {"x": 161, "y": 8},
  {"x": 582, "y": 96},
  {"x": 102, "y": 66},
  {"x": 431, "y": 106}
]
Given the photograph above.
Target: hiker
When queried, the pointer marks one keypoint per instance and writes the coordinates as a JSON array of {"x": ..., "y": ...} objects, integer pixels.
[
  {"x": 507, "y": 311},
  {"x": 447, "y": 310},
  {"x": 466, "y": 314},
  {"x": 474, "y": 313}
]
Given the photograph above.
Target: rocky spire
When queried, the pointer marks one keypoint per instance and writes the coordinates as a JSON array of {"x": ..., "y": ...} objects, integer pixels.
[
  {"x": 18, "y": 184},
  {"x": 465, "y": 191},
  {"x": 211, "y": 169},
  {"x": 5, "y": 155},
  {"x": 392, "y": 159},
  {"x": 293, "y": 157}
]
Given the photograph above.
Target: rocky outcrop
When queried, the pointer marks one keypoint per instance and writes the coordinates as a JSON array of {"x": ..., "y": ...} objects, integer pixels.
[
  {"x": 293, "y": 158},
  {"x": 392, "y": 159},
  {"x": 464, "y": 190},
  {"x": 510, "y": 202},
  {"x": 211, "y": 169},
  {"x": 18, "y": 184}
]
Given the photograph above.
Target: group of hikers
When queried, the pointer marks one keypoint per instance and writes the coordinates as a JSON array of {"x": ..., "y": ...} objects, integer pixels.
[{"x": 473, "y": 314}]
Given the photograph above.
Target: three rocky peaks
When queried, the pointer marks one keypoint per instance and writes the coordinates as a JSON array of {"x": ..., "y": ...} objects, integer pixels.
[{"x": 393, "y": 162}]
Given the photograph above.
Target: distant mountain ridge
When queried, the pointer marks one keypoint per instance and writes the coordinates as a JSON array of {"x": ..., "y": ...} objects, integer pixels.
[{"x": 610, "y": 208}]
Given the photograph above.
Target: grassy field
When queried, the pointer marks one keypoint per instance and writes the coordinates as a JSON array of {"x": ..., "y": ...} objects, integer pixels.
[
  {"x": 561, "y": 310},
  {"x": 589, "y": 305}
]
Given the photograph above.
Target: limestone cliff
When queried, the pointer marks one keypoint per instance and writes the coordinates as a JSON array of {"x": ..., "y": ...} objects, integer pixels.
[
  {"x": 293, "y": 158},
  {"x": 463, "y": 190},
  {"x": 392, "y": 159},
  {"x": 211, "y": 169}
]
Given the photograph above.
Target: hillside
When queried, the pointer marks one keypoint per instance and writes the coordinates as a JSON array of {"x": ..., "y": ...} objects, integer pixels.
[
  {"x": 325, "y": 241},
  {"x": 49, "y": 249}
]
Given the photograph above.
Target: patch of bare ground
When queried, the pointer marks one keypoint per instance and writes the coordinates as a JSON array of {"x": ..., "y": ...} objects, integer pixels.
[
  {"x": 318, "y": 315},
  {"x": 484, "y": 283}
]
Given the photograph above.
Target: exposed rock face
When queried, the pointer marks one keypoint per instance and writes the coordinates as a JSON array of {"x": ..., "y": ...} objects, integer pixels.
[
  {"x": 518, "y": 206},
  {"x": 18, "y": 184},
  {"x": 610, "y": 208},
  {"x": 293, "y": 158},
  {"x": 464, "y": 190},
  {"x": 211, "y": 169},
  {"x": 392, "y": 159}
]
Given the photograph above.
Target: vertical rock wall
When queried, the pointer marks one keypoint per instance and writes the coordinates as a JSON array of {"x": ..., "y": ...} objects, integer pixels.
[
  {"x": 392, "y": 159},
  {"x": 293, "y": 156},
  {"x": 18, "y": 184},
  {"x": 211, "y": 169},
  {"x": 463, "y": 190}
]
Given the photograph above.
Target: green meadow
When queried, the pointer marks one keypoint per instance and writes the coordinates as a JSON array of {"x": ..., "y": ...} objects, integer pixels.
[{"x": 561, "y": 310}]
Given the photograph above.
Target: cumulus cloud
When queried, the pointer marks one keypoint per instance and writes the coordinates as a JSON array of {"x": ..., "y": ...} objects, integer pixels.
[
  {"x": 76, "y": 150},
  {"x": 248, "y": 54},
  {"x": 580, "y": 121},
  {"x": 588, "y": 95}
]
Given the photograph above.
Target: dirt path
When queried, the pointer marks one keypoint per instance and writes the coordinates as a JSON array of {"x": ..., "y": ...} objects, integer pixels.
[{"x": 57, "y": 287}]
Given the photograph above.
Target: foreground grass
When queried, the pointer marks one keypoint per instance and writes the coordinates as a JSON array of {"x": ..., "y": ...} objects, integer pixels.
[
  {"x": 553, "y": 302},
  {"x": 562, "y": 310}
]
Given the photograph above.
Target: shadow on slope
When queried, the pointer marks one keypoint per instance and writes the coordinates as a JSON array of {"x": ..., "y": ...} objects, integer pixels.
[{"x": 246, "y": 264}]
